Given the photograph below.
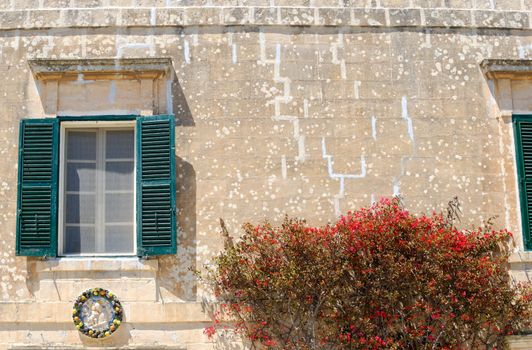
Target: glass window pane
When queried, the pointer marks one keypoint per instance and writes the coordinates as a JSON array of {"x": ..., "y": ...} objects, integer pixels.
[
  {"x": 119, "y": 176},
  {"x": 80, "y": 208},
  {"x": 79, "y": 239},
  {"x": 81, "y": 177},
  {"x": 81, "y": 145},
  {"x": 119, "y": 144},
  {"x": 119, "y": 239},
  {"x": 97, "y": 218},
  {"x": 119, "y": 207}
]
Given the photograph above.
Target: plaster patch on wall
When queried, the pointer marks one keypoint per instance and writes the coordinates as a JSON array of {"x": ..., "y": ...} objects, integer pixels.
[
  {"x": 387, "y": 17},
  {"x": 16, "y": 42},
  {"x": 374, "y": 128},
  {"x": 84, "y": 45},
  {"x": 153, "y": 16},
  {"x": 396, "y": 188},
  {"x": 339, "y": 176},
  {"x": 195, "y": 37},
  {"x": 283, "y": 166},
  {"x": 234, "y": 53},
  {"x": 396, "y": 183},
  {"x": 112, "y": 92},
  {"x": 232, "y": 46},
  {"x": 523, "y": 51},
  {"x": 356, "y": 87},
  {"x": 286, "y": 98},
  {"x": 428, "y": 42},
  {"x": 406, "y": 117},
  {"x": 169, "y": 97},
  {"x": 339, "y": 44},
  {"x": 186, "y": 51},
  {"x": 49, "y": 46},
  {"x": 80, "y": 80}
]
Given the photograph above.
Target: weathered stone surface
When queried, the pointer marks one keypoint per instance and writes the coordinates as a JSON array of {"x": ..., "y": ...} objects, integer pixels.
[
  {"x": 304, "y": 107},
  {"x": 95, "y": 17}
]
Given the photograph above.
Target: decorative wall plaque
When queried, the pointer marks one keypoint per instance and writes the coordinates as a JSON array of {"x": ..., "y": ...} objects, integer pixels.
[{"x": 97, "y": 313}]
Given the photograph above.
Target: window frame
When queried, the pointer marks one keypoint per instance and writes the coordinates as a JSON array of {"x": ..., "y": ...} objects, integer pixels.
[
  {"x": 83, "y": 123},
  {"x": 38, "y": 184}
]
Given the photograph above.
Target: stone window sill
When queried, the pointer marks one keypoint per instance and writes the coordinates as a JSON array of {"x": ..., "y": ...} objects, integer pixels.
[
  {"x": 96, "y": 264},
  {"x": 521, "y": 257}
]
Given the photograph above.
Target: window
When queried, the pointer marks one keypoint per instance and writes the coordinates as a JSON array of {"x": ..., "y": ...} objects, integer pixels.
[
  {"x": 523, "y": 146},
  {"x": 97, "y": 190},
  {"x": 103, "y": 186}
]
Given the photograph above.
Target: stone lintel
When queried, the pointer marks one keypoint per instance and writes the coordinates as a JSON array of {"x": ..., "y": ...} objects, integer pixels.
[
  {"x": 101, "y": 69},
  {"x": 524, "y": 257},
  {"x": 502, "y": 72},
  {"x": 507, "y": 69}
]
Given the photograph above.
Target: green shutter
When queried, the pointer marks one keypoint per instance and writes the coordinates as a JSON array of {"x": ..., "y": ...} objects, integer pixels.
[
  {"x": 37, "y": 187},
  {"x": 156, "y": 215},
  {"x": 523, "y": 140}
]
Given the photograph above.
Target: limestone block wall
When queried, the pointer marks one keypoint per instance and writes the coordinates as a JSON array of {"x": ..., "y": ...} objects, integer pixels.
[{"x": 301, "y": 107}]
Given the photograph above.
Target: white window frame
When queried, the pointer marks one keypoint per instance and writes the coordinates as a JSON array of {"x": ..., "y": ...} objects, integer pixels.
[{"x": 129, "y": 124}]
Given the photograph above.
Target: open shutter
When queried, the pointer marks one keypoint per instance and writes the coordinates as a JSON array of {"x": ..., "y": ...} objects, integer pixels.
[
  {"x": 37, "y": 187},
  {"x": 523, "y": 138},
  {"x": 156, "y": 215}
]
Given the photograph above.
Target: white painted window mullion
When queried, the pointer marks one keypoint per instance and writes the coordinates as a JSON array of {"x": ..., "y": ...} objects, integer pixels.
[{"x": 100, "y": 192}]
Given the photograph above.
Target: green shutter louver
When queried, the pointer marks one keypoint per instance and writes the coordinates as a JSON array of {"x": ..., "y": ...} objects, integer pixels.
[
  {"x": 37, "y": 187},
  {"x": 523, "y": 140},
  {"x": 156, "y": 215}
]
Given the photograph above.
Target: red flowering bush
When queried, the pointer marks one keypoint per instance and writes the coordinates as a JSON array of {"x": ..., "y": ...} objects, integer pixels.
[{"x": 379, "y": 278}]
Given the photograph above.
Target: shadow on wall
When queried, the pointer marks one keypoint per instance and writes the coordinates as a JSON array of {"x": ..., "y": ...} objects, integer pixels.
[
  {"x": 175, "y": 274},
  {"x": 183, "y": 116}
]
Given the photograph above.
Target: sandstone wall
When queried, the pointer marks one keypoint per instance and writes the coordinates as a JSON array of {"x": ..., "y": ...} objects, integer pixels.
[{"x": 309, "y": 110}]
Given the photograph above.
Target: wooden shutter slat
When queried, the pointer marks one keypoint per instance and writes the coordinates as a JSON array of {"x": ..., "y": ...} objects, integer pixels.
[
  {"x": 37, "y": 188},
  {"x": 156, "y": 222}
]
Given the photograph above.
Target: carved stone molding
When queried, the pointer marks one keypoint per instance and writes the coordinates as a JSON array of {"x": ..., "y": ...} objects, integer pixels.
[
  {"x": 510, "y": 83},
  {"x": 103, "y": 86},
  {"x": 101, "y": 69}
]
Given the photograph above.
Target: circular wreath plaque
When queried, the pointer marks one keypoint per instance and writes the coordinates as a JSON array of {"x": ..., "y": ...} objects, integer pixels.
[{"x": 97, "y": 313}]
